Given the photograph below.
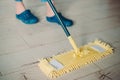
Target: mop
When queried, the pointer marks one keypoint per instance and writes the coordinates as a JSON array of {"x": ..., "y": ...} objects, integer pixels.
[{"x": 66, "y": 62}]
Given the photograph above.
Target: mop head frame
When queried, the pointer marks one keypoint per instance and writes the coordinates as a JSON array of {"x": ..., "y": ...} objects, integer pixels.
[{"x": 63, "y": 63}]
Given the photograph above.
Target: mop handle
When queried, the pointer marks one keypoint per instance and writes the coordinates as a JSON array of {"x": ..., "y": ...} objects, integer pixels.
[
  {"x": 64, "y": 28},
  {"x": 61, "y": 22}
]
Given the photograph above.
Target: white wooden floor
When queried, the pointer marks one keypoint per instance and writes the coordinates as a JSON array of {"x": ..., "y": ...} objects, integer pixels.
[{"x": 22, "y": 45}]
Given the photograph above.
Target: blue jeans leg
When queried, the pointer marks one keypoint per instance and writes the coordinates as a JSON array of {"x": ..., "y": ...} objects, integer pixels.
[
  {"x": 44, "y": 0},
  {"x": 22, "y": 0},
  {"x": 18, "y": 0}
]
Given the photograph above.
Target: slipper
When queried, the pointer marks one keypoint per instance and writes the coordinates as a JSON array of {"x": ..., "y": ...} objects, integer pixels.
[
  {"x": 54, "y": 19},
  {"x": 27, "y": 17}
]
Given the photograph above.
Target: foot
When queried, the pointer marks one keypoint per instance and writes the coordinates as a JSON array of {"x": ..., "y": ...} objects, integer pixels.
[
  {"x": 54, "y": 19},
  {"x": 27, "y": 17}
]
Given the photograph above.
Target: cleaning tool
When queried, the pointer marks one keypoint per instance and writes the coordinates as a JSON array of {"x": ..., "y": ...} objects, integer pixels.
[{"x": 66, "y": 62}]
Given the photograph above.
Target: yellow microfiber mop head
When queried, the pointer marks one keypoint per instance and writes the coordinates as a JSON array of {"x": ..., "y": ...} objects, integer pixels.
[{"x": 63, "y": 63}]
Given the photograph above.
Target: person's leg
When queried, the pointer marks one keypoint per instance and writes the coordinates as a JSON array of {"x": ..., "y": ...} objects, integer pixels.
[
  {"x": 49, "y": 10},
  {"x": 52, "y": 18},
  {"x": 19, "y": 7},
  {"x": 24, "y": 15}
]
